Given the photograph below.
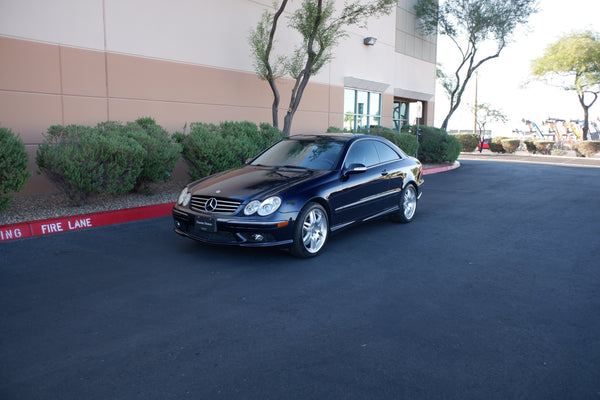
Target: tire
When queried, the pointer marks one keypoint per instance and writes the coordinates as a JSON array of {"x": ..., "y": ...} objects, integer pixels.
[
  {"x": 311, "y": 231},
  {"x": 408, "y": 205}
]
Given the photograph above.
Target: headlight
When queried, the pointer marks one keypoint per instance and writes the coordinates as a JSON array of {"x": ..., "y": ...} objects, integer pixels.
[
  {"x": 267, "y": 207},
  {"x": 252, "y": 207},
  {"x": 184, "y": 198}
]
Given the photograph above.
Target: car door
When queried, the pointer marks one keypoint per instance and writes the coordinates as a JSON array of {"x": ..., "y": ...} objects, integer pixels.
[
  {"x": 392, "y": 163},
  {"x": 361, "y": 194}
]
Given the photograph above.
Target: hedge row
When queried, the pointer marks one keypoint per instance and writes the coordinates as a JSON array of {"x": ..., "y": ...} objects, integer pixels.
[
  {"x": 405, "y": 140},
  {"x": 587, "y": 148},
  {"x": 13, "y": 166},
  {"x": 434, "y": 144},
  {"x": 210, "y": 148},
  {"x": 510, "y": 145},
  {"x": 117, "y": 158},
  {"x": 109, "y": 158},
  {"x": 539, "y": 146},
  {"x": 469, "y": 143}
]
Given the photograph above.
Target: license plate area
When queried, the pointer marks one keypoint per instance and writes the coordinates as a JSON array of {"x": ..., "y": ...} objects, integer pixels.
[{"x": 206, "y": 224}]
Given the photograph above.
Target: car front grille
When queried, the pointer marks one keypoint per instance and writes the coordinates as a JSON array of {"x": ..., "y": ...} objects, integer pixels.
[{"x": 221, "y": 206}]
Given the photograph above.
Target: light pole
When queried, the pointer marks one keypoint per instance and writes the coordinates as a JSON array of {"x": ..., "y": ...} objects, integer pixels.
[
  {"x": 419, "y": 113},
  {"x": 475, "y": 107}
]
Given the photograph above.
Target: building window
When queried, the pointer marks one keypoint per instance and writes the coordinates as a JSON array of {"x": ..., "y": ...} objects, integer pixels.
[
  {"x": 362, "y": 109},
  {"x": 400, "y": 114}
]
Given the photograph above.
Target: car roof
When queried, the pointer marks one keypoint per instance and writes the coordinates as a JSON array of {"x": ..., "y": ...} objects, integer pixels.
[{"x": 332, "y": 136}]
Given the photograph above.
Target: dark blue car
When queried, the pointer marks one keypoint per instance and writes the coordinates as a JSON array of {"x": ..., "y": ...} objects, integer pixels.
[{"x": 300, "y": 190}]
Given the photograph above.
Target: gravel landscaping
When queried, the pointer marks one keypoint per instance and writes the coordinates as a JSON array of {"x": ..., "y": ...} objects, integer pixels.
[{"x": 32, "y": 208}]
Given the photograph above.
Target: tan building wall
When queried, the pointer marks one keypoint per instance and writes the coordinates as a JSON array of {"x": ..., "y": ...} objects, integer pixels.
[{"x": 87, "y": 61}]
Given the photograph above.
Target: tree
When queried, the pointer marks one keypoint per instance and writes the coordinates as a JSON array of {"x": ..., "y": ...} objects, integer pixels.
[
  {"x": 575, "y": 60},
  {"x": 473, "y": 26},
  {"x": 321, "y": 29},
  {"x": 484, "y": 113}
]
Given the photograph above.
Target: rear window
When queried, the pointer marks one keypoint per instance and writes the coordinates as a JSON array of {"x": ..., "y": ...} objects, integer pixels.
[{"x": 386, "y": 153}]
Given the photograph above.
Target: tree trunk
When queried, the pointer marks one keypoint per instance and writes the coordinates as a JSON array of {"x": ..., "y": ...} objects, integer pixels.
[
  {"x": 287, "y": 123},
  {"x": 457, "y": 93},
  {"x": 297, "y": 91},
  {"x": 271, "y": 77},
  {"x": 481, "y": 134},
  {"x": 586, "y": 111},
  {"x": 453, "y": 108},
  {"x": 586, "y": 121},
  {"x": 304, "y": 76},
  {"x": 275, "y": 106}
]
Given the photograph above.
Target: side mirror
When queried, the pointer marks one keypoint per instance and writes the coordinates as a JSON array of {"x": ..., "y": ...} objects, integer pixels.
[{"x": 354, "y": 169}]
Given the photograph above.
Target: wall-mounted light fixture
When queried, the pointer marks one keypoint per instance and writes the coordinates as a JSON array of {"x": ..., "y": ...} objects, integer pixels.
[{"x": 369, "y": 41}]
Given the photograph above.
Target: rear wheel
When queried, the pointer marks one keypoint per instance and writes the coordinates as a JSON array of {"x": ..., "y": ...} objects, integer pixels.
[
  {"x": 408, "y": 205},
  {"x": 311, "y": 231}
]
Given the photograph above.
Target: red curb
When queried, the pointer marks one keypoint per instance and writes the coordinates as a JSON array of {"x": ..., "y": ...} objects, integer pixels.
[
  {"x": 77, "y": 222},
  {"x": 85, "y": 221},
  {"x": 435, "y": 170}
]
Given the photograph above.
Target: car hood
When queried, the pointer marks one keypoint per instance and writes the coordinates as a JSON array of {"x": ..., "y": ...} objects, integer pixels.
[{"x": 252, "y": 182}]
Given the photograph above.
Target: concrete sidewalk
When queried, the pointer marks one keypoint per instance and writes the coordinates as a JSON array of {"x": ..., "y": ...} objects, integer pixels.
[{"x": 524, "y": 157}]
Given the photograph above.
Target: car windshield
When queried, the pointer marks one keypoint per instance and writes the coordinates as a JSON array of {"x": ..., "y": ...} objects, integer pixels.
[{"x": 310, "y": 154}]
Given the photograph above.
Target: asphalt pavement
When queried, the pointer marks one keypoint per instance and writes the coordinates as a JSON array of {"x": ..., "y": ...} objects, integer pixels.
[{"x": 492, "y": 292}]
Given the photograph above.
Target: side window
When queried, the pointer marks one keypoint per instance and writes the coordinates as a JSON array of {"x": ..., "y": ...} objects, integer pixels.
[
  {"x": 386, "y": 153},
  {"x": 362, "y": 152}
]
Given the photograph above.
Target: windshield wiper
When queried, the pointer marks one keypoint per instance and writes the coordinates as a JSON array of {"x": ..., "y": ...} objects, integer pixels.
[{"x": 292, "y": 166}]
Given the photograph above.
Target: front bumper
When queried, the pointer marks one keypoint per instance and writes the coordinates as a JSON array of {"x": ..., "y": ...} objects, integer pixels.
[{"x": 276, "y": 230}]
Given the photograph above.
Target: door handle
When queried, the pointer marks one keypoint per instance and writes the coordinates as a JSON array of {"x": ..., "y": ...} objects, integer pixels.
[{"x": 384, "y": 172}]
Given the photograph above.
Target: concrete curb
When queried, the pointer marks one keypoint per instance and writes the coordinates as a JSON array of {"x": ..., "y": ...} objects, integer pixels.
[
  {"x": 437, "y": 170},
  {"x": 64, "y": 224},
  {"x": 45, "y": 227}
]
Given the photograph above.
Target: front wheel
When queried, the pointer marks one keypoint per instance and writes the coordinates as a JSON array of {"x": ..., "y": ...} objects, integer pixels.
[
  {"x": 408, "y": 205},
  {"x": 310, "y": 231}
]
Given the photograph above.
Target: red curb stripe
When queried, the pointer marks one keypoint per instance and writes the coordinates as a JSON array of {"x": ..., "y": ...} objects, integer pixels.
[
  {"x": 14, "y": 231},
  {"x": 85, "y": 221},
  {"x": 436, "y": 170}
]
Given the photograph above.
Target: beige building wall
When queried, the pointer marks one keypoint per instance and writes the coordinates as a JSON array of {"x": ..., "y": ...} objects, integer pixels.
[{"x": 87, "y": 61}]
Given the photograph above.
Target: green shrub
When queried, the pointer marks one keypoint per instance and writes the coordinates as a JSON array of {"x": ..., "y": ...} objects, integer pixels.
[
  {"x": 82, "y": 161},
  {"x": 588, "y": 148},
  {"x": 437, "y": 146},
  {"x": 203, "y": 150},
  {"x": 510, "y": 145},
  {"x": 210, "y": 148},
  {"x": 161, "y": 153},
  {"x": 13, "y": 166},
  {"x": 406, "y": 141},
  {"x": 543, "y": 146},
  {"x": 268, "y": 135},
  {"x": 333, "y": 129},
  {"x": 559, "y": 152},
  {"x": 496, "y": 144},
  {"x": 530, "y": 145},
  {"x": 468, "y": 141}
]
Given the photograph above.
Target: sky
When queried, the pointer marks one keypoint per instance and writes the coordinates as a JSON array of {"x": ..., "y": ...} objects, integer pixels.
[{"x": 505, "y": 83}]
